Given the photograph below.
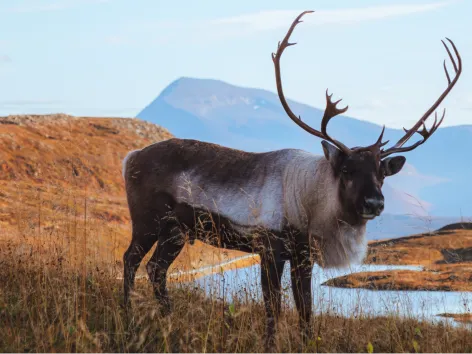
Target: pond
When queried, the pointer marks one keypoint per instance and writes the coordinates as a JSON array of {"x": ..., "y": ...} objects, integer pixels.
[{"x": 244, "y": 283}]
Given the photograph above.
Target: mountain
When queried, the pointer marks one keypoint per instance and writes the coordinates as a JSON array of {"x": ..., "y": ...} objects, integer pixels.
[
  {"x": 398, "y": 225},
  {"x": 434, "y": 182}
]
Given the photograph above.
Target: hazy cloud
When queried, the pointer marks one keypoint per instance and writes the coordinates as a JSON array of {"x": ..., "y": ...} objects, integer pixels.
[
  {"x": 118, "y": 40},
  {"x": 45, "y": 6},
  {"x": 5, "y": 58},
  {"x": 275, "y": 19},
  {"x": 27, "y": 103},
  {"x": 247, "y": 24}
]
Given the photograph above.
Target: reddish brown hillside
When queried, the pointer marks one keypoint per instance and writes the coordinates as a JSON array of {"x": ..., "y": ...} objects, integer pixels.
[
  {"x": 445, "y": 254},
  {"x": 69, "y": 151},
  {"x": 441, "y": 247},
  {"x": 61, "y": 186}
]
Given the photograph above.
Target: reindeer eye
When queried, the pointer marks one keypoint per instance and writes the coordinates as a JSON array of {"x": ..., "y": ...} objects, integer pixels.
[{"x": 344, "y": 170}]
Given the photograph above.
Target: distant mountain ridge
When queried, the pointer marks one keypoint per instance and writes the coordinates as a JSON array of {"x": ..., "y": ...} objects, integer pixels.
[{"x": 436, "y": 175}]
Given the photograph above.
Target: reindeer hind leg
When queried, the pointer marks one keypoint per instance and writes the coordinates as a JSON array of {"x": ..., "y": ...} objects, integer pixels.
[
  {"x": 141, "y": 243},
  {"x": 170, "y": 243}
]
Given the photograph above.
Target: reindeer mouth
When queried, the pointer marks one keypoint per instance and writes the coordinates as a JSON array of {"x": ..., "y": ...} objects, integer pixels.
[{"x": 368, "y": 216}]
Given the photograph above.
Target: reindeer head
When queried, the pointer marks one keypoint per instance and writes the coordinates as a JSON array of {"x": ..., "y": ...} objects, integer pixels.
[{"x": 360, "y": 171}]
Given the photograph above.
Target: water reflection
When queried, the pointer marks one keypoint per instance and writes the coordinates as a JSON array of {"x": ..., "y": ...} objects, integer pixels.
[{"x": 244, "y": 284}]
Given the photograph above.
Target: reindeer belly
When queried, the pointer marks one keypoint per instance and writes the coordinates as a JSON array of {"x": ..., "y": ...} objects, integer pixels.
[
  {"x": 228, "y": 216},
  {"x": 214, "y": 229}
]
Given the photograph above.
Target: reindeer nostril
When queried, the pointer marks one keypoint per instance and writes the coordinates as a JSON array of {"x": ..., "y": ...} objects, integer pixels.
[
  {"x": 373, "y": 206},
  {"x": 373, "y": 203}
]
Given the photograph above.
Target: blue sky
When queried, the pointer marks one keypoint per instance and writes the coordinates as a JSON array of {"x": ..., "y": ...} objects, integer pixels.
[{"x": 112, "y": 57}]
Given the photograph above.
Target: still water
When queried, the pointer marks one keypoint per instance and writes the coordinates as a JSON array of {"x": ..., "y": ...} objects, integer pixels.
[{"x": 244, "y": 283}]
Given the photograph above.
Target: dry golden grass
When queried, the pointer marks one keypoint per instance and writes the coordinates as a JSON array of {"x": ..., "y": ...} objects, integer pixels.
[{"x": 47, "y": 306}]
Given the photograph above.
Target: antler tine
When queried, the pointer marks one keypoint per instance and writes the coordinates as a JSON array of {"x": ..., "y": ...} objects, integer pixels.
[
  {"x": 379, "y": 142},
  {"x": 447, "y": 74},
  {"x": 331, "y": 109},
  {"x": 398, "y": 147},
  {"x": 425, "y": 133},
  {"x": 450, "y": 55},
  {"x": 285, "y": 42},
  {"x": 330, "y": 112},
  {"x": 377, "y": 145}
]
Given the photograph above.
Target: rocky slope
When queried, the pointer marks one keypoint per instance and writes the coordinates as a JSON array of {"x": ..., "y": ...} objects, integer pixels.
[{"x": 61, "y": 187}]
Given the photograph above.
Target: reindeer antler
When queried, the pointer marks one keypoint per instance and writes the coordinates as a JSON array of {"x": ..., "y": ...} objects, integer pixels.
[
  {"x": 425, "y": 133},
  {"x": 331, "y": 109}
]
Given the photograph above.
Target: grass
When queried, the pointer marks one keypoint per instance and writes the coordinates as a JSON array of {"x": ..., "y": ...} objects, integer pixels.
[{"x": 46, "y": 308}]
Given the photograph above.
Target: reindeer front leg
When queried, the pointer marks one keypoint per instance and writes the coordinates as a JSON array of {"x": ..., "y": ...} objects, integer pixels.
[
  {"x": 271, "y": 273},
  {"x": 301, "y": 267}
]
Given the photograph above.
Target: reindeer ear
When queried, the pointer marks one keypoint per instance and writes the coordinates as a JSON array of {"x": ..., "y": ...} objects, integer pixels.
[
  {"x": 393, "y": 165},
  {"x": 332, "y": 153}
]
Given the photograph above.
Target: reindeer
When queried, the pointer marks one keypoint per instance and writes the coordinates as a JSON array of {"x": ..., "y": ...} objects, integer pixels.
[{"x": 285, "y": 205}]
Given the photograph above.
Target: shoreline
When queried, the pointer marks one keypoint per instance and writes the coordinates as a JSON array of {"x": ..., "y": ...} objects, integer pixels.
[{"x": 189, "y": 275}]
